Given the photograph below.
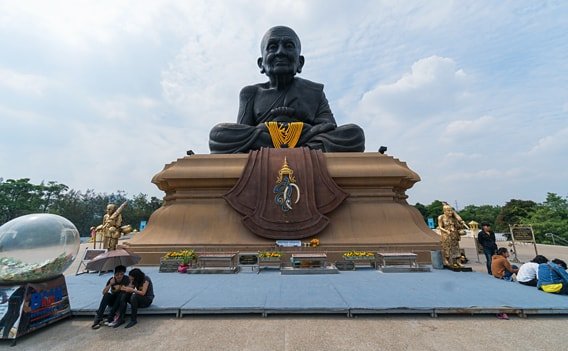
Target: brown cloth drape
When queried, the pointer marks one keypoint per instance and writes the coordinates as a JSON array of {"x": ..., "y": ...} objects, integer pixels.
[{"x": 253, "y": 195}]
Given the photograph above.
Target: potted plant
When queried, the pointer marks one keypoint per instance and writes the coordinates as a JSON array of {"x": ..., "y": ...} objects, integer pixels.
[
  {"x": 184, "y": 265},
  {"x": 172, "y": 260}
]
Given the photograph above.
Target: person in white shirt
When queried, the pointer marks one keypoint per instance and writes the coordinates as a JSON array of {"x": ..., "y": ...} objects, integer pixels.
[{"x": 528, "y": 272}]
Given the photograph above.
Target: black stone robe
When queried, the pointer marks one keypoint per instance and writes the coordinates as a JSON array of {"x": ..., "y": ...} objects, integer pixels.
[{"x": 310, "y": 106}]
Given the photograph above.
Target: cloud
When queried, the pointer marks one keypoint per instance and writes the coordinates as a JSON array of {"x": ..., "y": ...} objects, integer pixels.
[
  {"x": 124, "y": 108},
  {"x": 195, "y": 81},
  {"x": 462, "y": 128},
  {"x": 24, "y": 83},
  {"x": 462, "y": 156},
  {"x": 103, "y": 94},
  {"x": 555, "y": 143},
  {"x": 484, "y": 174},
  {"x": 411, "y": 113},
  {"x": 434, "y": 86},
  {"x": 21, "y": 117},
  {"x": 82, "y": 25}
]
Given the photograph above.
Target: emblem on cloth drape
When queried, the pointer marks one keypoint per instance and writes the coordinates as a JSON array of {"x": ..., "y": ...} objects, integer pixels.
[
  {"x": 278, "y": 210},
  {"x": 286, "y": 187}
]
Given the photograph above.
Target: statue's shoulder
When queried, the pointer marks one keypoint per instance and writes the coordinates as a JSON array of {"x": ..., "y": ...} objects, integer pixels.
[
  {"x": 308, "y": 84},
  {"x": 250, "y": 90}
]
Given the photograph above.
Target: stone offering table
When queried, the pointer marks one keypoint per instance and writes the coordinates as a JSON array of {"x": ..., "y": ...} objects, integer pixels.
[
  {"x": 269, "y": 262},
  {"x": 309, "y": 260},
  {"x": 248, "y": 261},
  {"x": 217, "y": 260},
  {"x": 361, "y": 262},
  {"x": 384, "y": 259},
  {"x": 398, "y": 262}
]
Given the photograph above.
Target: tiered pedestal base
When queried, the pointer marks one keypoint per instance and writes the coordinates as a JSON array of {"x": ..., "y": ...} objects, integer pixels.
[{"x": 375, "y": 217}]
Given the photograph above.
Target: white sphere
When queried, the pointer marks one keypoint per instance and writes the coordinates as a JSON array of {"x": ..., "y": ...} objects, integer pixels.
[{"x": 36, "y": 247}]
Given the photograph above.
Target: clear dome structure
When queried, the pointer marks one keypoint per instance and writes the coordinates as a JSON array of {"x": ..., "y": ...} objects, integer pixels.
[{"x": 36, "y": 247}]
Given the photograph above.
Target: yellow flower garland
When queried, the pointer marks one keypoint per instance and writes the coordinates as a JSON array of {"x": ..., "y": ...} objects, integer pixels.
[{"x": 284, "y": 133}]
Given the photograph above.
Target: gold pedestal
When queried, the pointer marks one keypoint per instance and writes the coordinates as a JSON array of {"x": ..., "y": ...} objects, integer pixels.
[{"x": 375, "y": 216}]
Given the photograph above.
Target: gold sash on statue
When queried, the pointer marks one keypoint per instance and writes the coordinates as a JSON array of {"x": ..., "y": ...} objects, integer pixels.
[{"x": 284, "y": 134}]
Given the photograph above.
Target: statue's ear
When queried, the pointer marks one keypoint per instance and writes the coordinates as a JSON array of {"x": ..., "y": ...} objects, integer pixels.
[
  {"x": 301, "y": 64},
  {"x": 259, "y": 63}
]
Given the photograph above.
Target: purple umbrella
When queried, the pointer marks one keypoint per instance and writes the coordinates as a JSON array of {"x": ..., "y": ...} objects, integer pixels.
[{"x": 110, "y": 259}]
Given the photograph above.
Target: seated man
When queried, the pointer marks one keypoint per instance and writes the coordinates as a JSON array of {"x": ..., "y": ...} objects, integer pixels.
[
  {"x": 528, "y": 272},
  {"x": 286, "y": 111},
  {"x": 552, "y": 277},
  {"x": 139, "y": 294},
  {"x": 500, "y": 266},
  {"x": 111, "y": 296}
]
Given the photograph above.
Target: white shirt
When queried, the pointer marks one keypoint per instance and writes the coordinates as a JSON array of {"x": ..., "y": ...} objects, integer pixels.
[{"x": 527, "y": 272}]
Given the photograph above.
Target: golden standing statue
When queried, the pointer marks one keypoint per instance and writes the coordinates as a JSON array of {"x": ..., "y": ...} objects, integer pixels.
[
  {"x": 451, "y": 227},
  {"x": 111, "y": 229}
]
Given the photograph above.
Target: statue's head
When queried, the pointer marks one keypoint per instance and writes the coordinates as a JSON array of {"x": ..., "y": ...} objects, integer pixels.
[
  {"x": 111, "y": 208},
  {"x": 448, "y": 210},
  {"x": 280, "y": 48}
]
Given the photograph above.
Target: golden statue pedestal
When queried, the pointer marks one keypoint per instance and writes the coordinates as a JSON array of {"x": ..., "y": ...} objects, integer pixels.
[{"x": 375, "y": 216}]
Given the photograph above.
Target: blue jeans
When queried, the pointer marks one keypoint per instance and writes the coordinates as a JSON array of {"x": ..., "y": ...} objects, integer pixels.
[
  {"x": 508, "y": 276},
  {"x": 488, "y": 257}
]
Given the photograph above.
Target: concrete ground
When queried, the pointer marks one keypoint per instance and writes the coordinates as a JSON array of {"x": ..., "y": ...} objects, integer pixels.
[
  {"x": 315, "y": 332},
  {"x": 305, "y": 333}
]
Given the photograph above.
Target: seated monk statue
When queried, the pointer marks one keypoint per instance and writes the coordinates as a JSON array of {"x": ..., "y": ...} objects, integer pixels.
[{"x": 286, "y": 111}]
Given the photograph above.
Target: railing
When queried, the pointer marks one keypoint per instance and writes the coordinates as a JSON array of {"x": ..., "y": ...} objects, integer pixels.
[{"x": 555, "y": 238}]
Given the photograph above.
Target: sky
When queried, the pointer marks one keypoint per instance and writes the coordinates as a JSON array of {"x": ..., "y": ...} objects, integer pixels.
[{"x": 472, "y": 95}]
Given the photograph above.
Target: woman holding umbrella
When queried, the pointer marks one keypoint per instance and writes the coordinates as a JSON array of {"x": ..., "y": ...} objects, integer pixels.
[{"x": 140, "y": 294}]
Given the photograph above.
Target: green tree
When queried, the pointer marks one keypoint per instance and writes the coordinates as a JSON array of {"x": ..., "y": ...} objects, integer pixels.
[
  {"x": 431, "y": 211},
  {"x": 19, "y": 197},
  {"x": 513, "y": 213},
  {"x": 480, "y": 214},
  {"x": 51, "y": 193},
  {"x": 139, "y": 209},
  {"x": 85, "y": 210},
  {"x": 435, "y": 209},
  {"x": 549, "y": 217},
  {"x": 423, "y": 210}
]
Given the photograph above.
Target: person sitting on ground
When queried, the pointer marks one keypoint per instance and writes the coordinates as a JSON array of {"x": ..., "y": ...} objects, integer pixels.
[
  {"x": 552, "y": 277},
  {"x": 500, "y": 266},
  {"x": 140, "y": 294},
  {"x": 528, "y": 272},
  {"x": 111, "y": 296}
]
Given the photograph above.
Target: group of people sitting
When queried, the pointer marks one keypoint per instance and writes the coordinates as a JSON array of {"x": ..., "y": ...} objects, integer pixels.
[
  {"x": 135, "y": 289},
  {"x": 548, "y": 276}
]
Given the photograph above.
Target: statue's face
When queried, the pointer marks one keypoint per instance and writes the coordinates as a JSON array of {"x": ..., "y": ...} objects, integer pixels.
[
  {"x": 280, "y": 49},
  {"x": 110, "y": 208},
  {"x": 447, "y": 211}
]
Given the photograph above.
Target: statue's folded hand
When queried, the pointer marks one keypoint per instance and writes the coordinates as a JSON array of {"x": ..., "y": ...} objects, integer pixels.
[{"x": 282, "y": 111}]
